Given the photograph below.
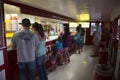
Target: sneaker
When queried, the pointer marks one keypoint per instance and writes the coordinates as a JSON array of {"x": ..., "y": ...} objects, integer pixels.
[
  {"x": 79, "y": 52},
  {"x": 60, "y": 64}
]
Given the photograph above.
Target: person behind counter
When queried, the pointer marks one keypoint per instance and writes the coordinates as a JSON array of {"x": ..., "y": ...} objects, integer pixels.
[
  {"x": 26, "y": 41},
  {"x": 40, "y": 51}
]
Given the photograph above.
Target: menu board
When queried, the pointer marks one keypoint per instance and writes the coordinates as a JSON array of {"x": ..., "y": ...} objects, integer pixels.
[{"x": 1, "y": 26}]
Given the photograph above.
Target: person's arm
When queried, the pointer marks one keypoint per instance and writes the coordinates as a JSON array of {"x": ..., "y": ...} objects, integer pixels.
[
  {"x": 36, "y": 41},
  {"x": 76, "y": 36},
  {"x": 96, "y": 33},
  {"x": 100, "y": 31},
  {"x": 46, "y": 35},
  {"x": 13, "y": 42}
]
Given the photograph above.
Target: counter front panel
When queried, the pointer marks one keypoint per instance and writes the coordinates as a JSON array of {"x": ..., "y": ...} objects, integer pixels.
[{"x": 12, "y": 58}]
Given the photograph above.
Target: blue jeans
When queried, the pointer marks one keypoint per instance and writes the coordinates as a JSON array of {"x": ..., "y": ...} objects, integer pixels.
[
  {"x": 31, "y": 70},
  {"x": 41, "y": 67}
]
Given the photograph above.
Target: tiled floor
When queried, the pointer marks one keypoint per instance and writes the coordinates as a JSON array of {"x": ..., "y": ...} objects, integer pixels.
[{"x": 81, "y": 67}]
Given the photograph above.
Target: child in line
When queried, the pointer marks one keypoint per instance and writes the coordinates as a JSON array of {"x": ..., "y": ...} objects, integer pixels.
[
  {"x": 54, "y": 52},
  {"x": 59, "y": 45}
]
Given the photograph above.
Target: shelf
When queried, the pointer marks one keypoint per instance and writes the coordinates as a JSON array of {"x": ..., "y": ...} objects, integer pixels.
[{"x": 8, "y": 37}]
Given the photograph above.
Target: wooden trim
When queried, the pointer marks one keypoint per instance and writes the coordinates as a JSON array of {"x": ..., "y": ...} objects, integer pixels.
[
  {"x": 1, "y": 25},
  {"x": 2, "y": 67},
  {"x": 1, "y": 48},
  {"x": 6, "y": 64}
]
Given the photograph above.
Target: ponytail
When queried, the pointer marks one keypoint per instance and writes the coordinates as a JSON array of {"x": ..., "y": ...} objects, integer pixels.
[{"x": 38, "y": 27}]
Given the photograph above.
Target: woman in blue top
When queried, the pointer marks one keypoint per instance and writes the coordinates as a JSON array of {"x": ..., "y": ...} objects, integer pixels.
[
  {"x": 40, "y": 51},
  {"x": 78, "y": 39}
]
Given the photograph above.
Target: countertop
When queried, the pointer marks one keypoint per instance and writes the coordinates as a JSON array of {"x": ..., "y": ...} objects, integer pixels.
[{"x": 51, "y": 38}]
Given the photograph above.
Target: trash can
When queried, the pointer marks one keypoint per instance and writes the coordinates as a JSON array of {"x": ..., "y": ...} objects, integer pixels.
[
  {"x": 103, "y": 56},
  {"x": 103, "y": 72}
]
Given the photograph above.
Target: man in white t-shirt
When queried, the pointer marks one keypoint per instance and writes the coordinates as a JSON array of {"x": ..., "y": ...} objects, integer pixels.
[
  {"x": 97, "y": 39},
  {"x": 26, "y": 42}
]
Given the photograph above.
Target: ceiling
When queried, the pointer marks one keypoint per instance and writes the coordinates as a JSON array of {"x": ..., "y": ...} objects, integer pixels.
[{"x": 103, "y": 10}]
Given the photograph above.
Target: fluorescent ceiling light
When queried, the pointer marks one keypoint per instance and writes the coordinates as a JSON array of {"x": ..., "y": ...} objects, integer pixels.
[{"x": 83, "y": 17}]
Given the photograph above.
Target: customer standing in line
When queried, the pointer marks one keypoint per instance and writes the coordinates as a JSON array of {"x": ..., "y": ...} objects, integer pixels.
[
  {"x": 59, "y": 44},
  {"x": 40, "y": 51},
  {"x": 66, "y": 42},
  {"x": 77, "y": 39},
  {"x": 82, "y": 31},
  {"x": 97, "y": 39},
  {"x": 26, "y": 42}
]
